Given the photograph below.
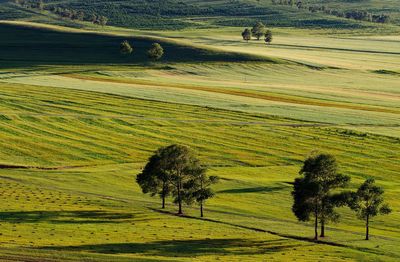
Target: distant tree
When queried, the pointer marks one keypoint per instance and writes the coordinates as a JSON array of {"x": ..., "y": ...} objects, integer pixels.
[
  {"x": 80, "y": 15},
  {"x": 258, "y": 30},
  {"x": 102, "y": 20},
  {"x": 268, "y": 37},
  {"x": 368, "y": 202},
  {"x": 199, "y": 187},
  {"x": 93, "y": 18},
  {"x": 153, "y": 179},
  {"x": 40, "y": 5},
  {"x": 125, "y": 48},
  {"x": 299, "y": 4},
  {"x": 312, "y": 193},
  {"x": 155, "y": 52},
  {"x": 246, "y": 34}
]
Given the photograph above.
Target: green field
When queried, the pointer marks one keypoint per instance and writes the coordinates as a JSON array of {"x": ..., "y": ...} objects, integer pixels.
[{"x": 78, "y": 122}]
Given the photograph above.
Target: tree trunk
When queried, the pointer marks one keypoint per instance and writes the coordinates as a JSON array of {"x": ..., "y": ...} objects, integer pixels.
[
  {"x": 201, "y": 209},
  {"x": 316, "y": 225},
  {"x": 180, "y": 207},
  {"x": 163, "y": 202},
  {"x": 179, "y": 200},
  {"x": 322, "y": 228},
  {"x": 367, "y": 229}
]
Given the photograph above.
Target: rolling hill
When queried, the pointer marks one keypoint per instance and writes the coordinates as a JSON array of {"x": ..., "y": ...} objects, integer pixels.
[
  {"x": 173, "y": 14},
  {"x": 78, "y": 122}
]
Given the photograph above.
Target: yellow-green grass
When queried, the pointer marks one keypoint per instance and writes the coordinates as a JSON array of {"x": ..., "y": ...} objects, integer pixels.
[
  {"x": 75, "y": 134},
  {"x": 88, "y": 206},
  {"x": 363, "y": 93},
  {"x": 361, "y": 99}
]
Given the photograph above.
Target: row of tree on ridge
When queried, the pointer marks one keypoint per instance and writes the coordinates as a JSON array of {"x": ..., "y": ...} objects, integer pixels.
[
  {"x": 175, "y": 171},
  {"x": 64, "y": 12},
  {"x": 360, "y": 15}
]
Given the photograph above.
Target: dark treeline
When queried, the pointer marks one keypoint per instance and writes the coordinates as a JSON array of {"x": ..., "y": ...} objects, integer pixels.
[
  {"x": 360, "y": 15},
  {"x": 64, "y": 12}
]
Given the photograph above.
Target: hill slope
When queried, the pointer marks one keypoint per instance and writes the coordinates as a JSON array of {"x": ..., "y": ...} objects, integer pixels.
[
  {"x": 173, "y": 14},
  {"x": 48, "y": 46}
]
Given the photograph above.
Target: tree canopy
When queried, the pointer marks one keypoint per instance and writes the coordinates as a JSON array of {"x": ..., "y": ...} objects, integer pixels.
[
  {"x": 155, "y": 52},
  {"x": 268, "y": 37},
  {"x": 246, "y": 34},
  {"x": 258, "y": 30},
  {"x": 125, "y": 48}
]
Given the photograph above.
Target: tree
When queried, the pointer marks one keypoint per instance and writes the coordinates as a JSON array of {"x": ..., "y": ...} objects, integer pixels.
[
  {"x": 368, "y": 202},
  {"x": 153, "y": 179},
  {"x": 199, "y": 188},
  {"x": 312, "y": 193},
  {"x": 102, "y": 20},
  {"x": 268, "y": 37},
  {"x": 40, "y": 5},
  {"x": 93, "y": 18},
  {"x": 258, "y": 30},
  {"x": 246, "y": 34},
  {"x": 155, "y": 52},
  {"x": 125, "y": 48}
]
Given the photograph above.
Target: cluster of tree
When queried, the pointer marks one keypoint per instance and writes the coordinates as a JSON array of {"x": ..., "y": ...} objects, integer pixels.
[
  {"x": 38, "y": 4},
  {"x": 64, "y": 12},
  {"x": 155, "y": 52},
  {"x": 320, "y": 190},
  {"x": 79, "y": 15},
  {"x": 259, "y": 30},
  {"x": 354, "y": 14},
  {"x": 175, "y": 171}
]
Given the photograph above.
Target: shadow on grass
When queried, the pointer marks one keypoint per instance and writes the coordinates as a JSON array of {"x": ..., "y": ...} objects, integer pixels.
[
  {"x": 264, "y": 189},
  {"x": 78, "y": 217},
  {"x": 185, "y": 248}
]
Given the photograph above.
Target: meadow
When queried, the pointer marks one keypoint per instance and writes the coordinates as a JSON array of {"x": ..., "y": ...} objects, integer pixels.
[{"x": 79, "y": 123}]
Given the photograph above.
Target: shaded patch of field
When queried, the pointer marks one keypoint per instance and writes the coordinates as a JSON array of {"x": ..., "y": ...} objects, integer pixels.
[{"x": 30, "y": 45}]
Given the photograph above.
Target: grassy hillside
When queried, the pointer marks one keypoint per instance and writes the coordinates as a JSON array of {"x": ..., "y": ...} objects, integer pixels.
[
  {"x": 173, "y": 14},
  {"x": 329, "y": 80},
  {"x": 29, "y": 45},
  {"x": 89, "y": 207}
]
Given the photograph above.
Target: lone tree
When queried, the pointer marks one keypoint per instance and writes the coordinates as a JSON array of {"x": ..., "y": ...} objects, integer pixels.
[
  {"x": 199, "y": 188},
  {"x": 153, "y": 179},
  {"x": 368, "y": 202},
  {"x": 246, "y": 34},
  {"x": 258, "y": 30},
  {"x": 155, "y": 52},
  {"x": 312, "y": 193},
  {"x": 268, "y": 37},
  {"x": 125, "y": 48}
]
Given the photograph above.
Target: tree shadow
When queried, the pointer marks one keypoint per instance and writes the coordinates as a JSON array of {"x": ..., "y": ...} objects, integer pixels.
[
  {"x": 264, "y": 189},
  {"x": 70, "y": 217},
  {"x": 186, "y": 247}
]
